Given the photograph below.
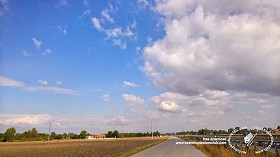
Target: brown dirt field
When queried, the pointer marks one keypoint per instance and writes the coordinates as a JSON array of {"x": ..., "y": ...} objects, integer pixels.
[{"x": 80, "y": 148}]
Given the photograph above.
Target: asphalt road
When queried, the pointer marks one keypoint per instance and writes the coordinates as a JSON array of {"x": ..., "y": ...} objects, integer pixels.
[{"x": 169, "y": 148}]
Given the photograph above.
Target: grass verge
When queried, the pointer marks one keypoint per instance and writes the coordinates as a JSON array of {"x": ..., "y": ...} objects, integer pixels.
[
  {"x": 226, "y": 151},
  {"x": 139, "y": 149}
]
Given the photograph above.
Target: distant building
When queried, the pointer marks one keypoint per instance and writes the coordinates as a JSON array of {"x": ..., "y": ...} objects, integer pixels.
[{"x": 95, "y": 136}]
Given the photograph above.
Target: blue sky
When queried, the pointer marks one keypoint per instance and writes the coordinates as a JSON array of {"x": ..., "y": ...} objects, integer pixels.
[{"x": 97, "y": 64}]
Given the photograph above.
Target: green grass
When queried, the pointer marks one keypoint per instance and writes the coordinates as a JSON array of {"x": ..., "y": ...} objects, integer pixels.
[{"x": 139, "y": 149}]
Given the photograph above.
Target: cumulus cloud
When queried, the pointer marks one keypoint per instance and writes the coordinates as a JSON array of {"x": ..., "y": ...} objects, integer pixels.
[
  {"x": 129, "y": 84},
  {"x": 133, "y": 99},
  {"x": 106, "y": 97},
  {"x": 25, "y": 119},
  {"x": 43, "y": 82},
  {"x": 120, "y": 119},
  {"x": 96, "y": 23},
  {"x": 37, "y": 42},
  {"x": 4, "y": 81},
  {"x": 167, "y": 106},
  {"x": 216, "y": 103},
  {"x": 216, "y": 46}
]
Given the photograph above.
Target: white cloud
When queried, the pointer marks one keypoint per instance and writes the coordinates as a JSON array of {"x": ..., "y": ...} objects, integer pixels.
[
  {"x": 63, "y": 29},
  {"x": 134, "y": 24},
  {"x": 59, "y": 123},
  {"x": 120, "y": 119},
  {"x": 47, "y": 51},
  {"x": 132, "y": 99},
  {"x": 267, "y": 106},
  {"x": 87, "y": 12},
  {"x": 4, "y": 81},
  {"x": 42, "y": 82},
  {"x": 213, "y": 46},
  {"x": 96, "y": 24},
  {"x": 58, "y": 83},
  {"x": 4, "y": 2},
  {"x": 167, "y": 106},
  {"x": 206, "y": 103},
  {"x": 119, "y": 32},
  {"x": 63, "y": 2},
  {"x": 167, "y": 96},
  {"x": 25, "y": 53},
  {"x": 119, "y": 43},
  {"x": 113, "y": 33},
  {"x": 106, "y": 97},
  {"x": 25, "y": 119},
  {"x": 143, "y": 3},
  {"x": 37, "y": 42},
  {"x": 129, "y": 84},
  {"x": 53, "y": 89},
  {"x": 86, "y": 3},
  {"x": 105, "y": 14},
  {"x": 4, "y": 7}
]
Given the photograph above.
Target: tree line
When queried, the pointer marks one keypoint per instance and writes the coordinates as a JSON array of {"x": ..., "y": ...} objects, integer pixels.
[
  {"x": 116, "y": 134},
  {"x": 11, "y": 135},
  {"x": 206, "y": 131}
]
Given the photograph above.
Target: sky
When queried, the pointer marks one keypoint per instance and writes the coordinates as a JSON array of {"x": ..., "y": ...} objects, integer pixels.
[{"x": 180, "y": 65}]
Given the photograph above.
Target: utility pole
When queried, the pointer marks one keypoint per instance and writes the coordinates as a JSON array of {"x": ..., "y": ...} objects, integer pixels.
[
  {"x": 49, "y": 133},
  {"x": 152, "y": 128},
  {"x": 121, "y": 130}
]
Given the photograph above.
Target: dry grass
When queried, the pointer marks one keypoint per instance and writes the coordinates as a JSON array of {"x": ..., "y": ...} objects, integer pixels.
[
  {"x": 226, "y": 151},
  {"x": 115, "y": 147},
  {"x": 134, "y": 151}
]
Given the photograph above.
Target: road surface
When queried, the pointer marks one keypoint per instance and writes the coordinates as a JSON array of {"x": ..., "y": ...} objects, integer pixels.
[{"x": 169, "y": 148}]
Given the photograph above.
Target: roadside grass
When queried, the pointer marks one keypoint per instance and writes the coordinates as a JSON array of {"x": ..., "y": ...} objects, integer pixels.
[
  {"x": 226, "y": 151},
  {"x": 139, "y": 149}
]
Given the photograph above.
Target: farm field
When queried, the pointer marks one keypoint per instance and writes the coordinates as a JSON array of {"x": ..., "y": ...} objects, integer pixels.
[{"x": 82, "y": 148}]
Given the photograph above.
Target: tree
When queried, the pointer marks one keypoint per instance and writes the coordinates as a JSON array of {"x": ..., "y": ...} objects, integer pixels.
[
  {"x": 201, "y": 132},
  {"x": 9, "y": 135},
  {"x": 53, "y": 134},
  {"x": 230, "y": 130},
  {"x": 83, "y": 134},
  {"x": 109, "y": 134},
  {"x": 64, "y": 136},
  {"x": 34, "y": 133},
  {"x": 116, "y": 134},
  {"x": 26, "y": 134},
  {"x": 278, "y": 127},
  {"x": 156, "y": 133}
]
